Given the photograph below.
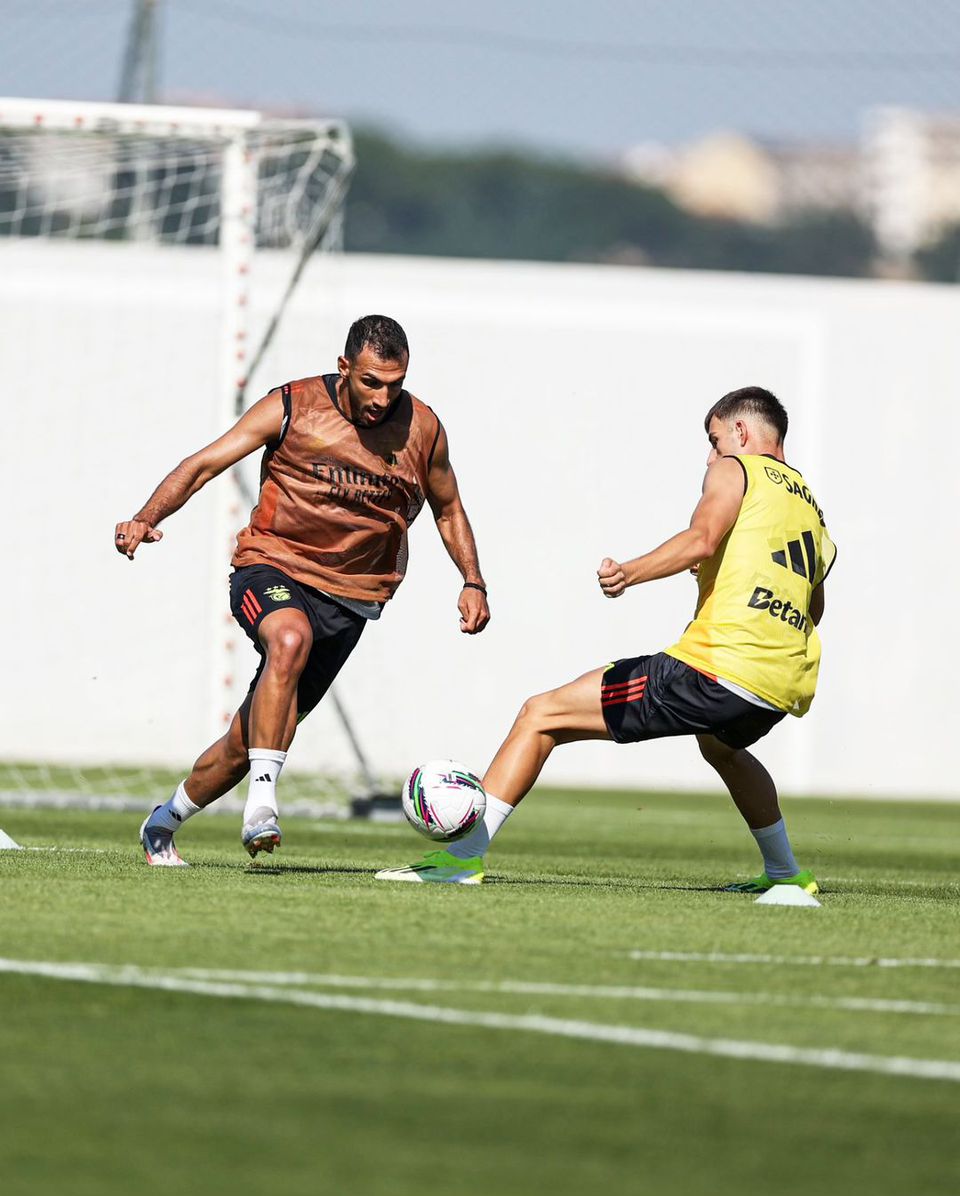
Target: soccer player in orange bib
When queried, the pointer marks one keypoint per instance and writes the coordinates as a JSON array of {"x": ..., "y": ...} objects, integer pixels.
[
  {"x": 349, "y": 460},
  {"x": 759, "y": 545}
]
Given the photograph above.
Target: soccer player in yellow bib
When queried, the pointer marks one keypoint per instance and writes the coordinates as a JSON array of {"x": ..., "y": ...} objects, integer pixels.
[{"x": 760, "y": 548}]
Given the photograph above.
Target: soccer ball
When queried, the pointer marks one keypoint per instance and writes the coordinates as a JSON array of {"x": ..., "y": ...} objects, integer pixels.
[{"x": 443, "y": 800}]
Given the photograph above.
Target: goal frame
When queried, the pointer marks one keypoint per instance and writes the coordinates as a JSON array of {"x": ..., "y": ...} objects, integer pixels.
[{"x": 235, "y": 132}]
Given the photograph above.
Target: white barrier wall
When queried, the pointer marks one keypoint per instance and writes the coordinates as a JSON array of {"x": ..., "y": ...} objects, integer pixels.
[{"x": 574, "y": 398}]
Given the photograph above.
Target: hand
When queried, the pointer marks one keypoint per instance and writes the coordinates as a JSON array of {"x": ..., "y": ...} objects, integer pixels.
[
  {"x": 131, "y": 533},
  {"x": 695, "y": 570},
  {"x": 474, "y": 611},
  {"x": 611, "y": 578}
]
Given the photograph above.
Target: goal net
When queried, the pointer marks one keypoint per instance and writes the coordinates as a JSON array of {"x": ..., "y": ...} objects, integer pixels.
[{"x": 231, "y": 201}]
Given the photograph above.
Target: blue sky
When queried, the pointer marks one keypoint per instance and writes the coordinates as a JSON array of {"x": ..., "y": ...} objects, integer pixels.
[{"x": 586, "y": 78}]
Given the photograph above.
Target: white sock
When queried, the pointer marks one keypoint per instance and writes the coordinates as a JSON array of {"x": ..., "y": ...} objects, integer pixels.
[
  {"x": 479, "y": 839},
  {"x": 172, "y": 814},
  {"x": 265, "y": 765},
  {"x": 778, "y": 860}
]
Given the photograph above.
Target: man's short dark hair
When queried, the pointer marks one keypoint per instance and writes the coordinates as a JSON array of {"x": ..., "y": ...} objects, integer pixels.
[
  {"x": 383, "y": 335},
  {"x": 750, "y": 400}
]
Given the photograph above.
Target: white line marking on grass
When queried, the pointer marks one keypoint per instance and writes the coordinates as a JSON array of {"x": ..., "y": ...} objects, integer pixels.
[
  {"x": 836, "y": 1060},
  {"x": 839, "y": 961},
  {"x": 601, "y": 991}
]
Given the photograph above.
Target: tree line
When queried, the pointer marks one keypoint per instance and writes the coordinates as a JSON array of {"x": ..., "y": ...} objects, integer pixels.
[{"x": 515, "y": 205}]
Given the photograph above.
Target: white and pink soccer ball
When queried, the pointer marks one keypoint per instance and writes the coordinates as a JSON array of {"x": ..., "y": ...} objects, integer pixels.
[{"x": 443, "y": 800}]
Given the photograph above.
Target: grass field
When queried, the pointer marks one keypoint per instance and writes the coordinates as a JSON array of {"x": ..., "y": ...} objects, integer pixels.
[{"x": 288, "y": 1028}]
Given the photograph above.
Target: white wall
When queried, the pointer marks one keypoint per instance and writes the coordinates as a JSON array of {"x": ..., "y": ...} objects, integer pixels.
[{"x": 573, "y": 397}]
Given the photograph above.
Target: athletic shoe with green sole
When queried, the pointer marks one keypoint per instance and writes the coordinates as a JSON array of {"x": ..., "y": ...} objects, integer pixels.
[
  {"x": 760, "y": 884},
  {"x": 438, "y": 867}
]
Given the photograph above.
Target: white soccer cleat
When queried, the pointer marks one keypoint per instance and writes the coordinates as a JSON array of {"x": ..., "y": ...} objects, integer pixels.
[
  {"x": 262, "y": 832},
  {"x": 437, "y": 867},
  {"x": 158, "y": 845}
]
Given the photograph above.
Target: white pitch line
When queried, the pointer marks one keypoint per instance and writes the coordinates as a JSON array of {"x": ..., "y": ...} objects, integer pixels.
[
  {"x": 600, "y": 991},
  {"x": 694, "y": 1044},
  {"x": 839, "y": 961}
]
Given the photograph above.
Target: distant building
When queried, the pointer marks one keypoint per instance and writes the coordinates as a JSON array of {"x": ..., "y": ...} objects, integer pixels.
[
  {"x": 911, "y": 165},
  {"x": 734, "y": 176},
  {"x": 902, "y": 177},
  {"x": 725, "y": 175},
  {"x": 816, "y": 174}
]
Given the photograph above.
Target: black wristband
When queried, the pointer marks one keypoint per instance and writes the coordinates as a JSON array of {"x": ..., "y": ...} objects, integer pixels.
[{"x": 475, "y": 585}]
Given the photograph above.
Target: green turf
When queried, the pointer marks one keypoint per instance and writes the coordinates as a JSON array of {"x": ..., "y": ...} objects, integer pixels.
[{"x": 117, "y": 1090}]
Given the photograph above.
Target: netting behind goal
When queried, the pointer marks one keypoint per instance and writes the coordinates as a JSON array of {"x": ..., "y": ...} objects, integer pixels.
[
  {"x": 177, "y": 176},
  {"x": 253, "y": 198},
  {"x": 142, "y": 186}
]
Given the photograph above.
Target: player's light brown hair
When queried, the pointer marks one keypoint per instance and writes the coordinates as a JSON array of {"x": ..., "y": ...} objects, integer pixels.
[
  {"x": 751, "y": 400},
  {"x": 383, "y": 335}
]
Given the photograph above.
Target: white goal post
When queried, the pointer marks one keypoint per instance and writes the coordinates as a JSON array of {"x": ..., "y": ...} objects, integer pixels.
[
  {"x": 232, "y": 178},
  {"x": 239, "y": 182}
]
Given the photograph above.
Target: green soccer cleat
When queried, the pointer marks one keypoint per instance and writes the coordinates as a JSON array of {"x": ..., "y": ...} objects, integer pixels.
[
  {"x": 438, "y": 867},
  {"x": 762, "y": 883}
]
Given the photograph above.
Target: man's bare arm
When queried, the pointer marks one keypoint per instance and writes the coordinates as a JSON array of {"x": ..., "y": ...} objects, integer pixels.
[
  {"x": 255, "y": 428},
  {"x": 714, "y": 516},
  {"x": 443, "y": 494}
]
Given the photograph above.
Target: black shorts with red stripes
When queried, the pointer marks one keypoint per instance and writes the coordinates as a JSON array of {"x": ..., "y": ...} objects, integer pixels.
[
  {"x": 653, "y": 697},
  {"x": 258, "y": 590}
]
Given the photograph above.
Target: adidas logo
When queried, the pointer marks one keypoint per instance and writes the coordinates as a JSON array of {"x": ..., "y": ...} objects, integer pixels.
[
  {"x": 265, "y": 777},
  {"x": 803, "y": 556}
]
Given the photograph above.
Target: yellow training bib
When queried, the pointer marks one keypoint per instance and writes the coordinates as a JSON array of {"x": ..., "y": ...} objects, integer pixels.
[{"x": 752, "y": 624}]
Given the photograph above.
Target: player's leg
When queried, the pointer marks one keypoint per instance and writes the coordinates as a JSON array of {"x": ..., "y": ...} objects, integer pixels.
[
  {"x": 272, "y": 611},
  {"x": 302, "y": 658},
  {"x": 286, "y": 639},
  {"x": 755, "y": 796},
  {"x": 224, "y": 764},
  {"x": 220, "y": 768},
  {"x": 750, "y": 785},
  {"x": 565, "y": 715}
]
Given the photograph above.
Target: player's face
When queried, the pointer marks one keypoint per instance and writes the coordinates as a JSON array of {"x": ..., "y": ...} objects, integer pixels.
[
  {"x": 725, "y": 439},
  {"x": 373, "y": 385}
]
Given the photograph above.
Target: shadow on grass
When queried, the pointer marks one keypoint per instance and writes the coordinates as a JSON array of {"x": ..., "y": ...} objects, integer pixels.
[
  {"x": 566, "y": 882},
  {"x": 246, "y": 868},
  {"x": 608, "y": 882},
  {"x": 291, "y": 869}
]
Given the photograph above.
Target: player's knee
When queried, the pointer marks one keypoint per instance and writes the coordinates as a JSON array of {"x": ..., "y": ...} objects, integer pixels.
[
  {"x": 288, "y": 649},
  {"x": 535, "y": 712},
  {"x": 716, "y": 753}
]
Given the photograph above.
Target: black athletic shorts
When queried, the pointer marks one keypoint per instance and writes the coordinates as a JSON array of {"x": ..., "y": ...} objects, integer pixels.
[
  {"x": 653, "y": 697},
  {"x": 258, "y": 590}
]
